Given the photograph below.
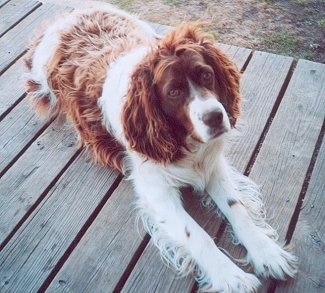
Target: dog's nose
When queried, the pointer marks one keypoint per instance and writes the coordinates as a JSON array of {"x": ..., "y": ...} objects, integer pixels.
[{"x": 213, "y": 118}]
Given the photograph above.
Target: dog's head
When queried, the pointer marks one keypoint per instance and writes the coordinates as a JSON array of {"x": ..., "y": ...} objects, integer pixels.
[{"x": 186, "y": 87}]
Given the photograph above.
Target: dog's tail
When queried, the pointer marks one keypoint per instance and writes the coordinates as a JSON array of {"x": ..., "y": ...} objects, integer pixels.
[{"x": 39, "y": 92}]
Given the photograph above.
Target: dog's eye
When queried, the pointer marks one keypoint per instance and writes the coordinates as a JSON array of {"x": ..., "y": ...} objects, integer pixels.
[
  {"x": 207, "y": 76},
  {"x": 174, "y": 93}
]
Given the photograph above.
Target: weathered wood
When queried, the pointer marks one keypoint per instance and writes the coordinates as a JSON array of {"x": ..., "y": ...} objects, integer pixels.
[
  {"x": 11, "y": 87},
  {"x": 3, "y": 2},
  {"x": 27, "y": 179},
  {"x": 107, "y": 247},
  {"x": 29, "y": 257},
  {"x": 308, "y": 238},
  {"x": 261, "y": 86},
  {"x": 14, "y": 11},
  {"x": 159, "y": 278},
  {"x": 239, "y": 55},
  {"x": 17, "y": 130},
  {"x": 284, "y": 157},
  {"x": 14, "y": 43}
]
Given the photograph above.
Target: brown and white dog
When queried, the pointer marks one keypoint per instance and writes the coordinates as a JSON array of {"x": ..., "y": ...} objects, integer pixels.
[{"x": 159, "y": 110}]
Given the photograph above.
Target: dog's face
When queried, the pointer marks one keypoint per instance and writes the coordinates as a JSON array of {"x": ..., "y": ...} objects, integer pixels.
[
  {"x": 188, "y": 94},
  {"x": 185, "y": 88}
]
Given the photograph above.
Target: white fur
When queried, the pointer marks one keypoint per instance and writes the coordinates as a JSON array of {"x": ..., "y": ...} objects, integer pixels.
[{"x": 181, "y": 241}]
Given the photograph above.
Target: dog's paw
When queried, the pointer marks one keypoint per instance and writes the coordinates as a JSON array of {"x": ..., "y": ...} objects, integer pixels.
[
  {"x": 271, "y": 260},
  {"x": 230, "y": 280}
]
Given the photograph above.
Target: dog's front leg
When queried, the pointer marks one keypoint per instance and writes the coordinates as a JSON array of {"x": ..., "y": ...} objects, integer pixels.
[
  {"x": 181, "y": 241},
  {"x": 238, "y": 199}
]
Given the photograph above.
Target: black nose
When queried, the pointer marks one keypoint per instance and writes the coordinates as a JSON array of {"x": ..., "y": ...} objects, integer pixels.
[{"x": 213, "y": 118}]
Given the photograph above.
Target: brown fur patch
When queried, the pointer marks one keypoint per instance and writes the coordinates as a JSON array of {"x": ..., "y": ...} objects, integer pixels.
[{"x": 76, "y": 74}]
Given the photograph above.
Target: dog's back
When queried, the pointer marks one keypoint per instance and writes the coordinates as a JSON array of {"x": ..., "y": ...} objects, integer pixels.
[{"x": 67, "y": 66}]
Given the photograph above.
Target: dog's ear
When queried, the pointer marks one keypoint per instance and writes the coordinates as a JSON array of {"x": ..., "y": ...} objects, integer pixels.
[
  {"x": 227, "y": 79},
  {"x": 145, "y": 126}
]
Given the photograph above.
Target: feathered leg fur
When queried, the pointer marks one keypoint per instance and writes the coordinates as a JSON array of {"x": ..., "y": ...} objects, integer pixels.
[
  {"x": 239, "y": 200},
  {"x": 181, "y": 241}
]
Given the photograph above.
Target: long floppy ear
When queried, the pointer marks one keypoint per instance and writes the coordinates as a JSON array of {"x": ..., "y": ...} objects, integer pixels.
[
  {"x": 227, "y": 80},
  {"x": 145, "y": 125}
]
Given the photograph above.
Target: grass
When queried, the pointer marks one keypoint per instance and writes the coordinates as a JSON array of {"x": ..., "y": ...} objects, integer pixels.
[
  {"x": 124, "y": 4},
  {"x": 321, "y": 22},
  {"x": 288, "y": 44},
  {"x": 283, "y": 42}
]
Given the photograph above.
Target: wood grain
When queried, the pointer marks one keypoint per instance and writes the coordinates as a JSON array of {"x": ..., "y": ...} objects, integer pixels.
[
  {"x": 106, "y": 248},
  {"x": 15, "y": 11},
  {"x": 284, "y": 157},
  {"x": 44, "y": 238},
  {"x": 11, "y": 87},
  {"x": 14, "y": 43},
  {"x": 27, "y": 179},
  {"x": 261, "y": 86},
  {"x": 309, "y": 235},
  {"x": 17, "y": 130}
]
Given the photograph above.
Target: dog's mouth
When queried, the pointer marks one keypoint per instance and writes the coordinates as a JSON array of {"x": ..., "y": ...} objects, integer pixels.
[
  {"x": 213, "y": 134},
  {"x": 216, "y": 132}
]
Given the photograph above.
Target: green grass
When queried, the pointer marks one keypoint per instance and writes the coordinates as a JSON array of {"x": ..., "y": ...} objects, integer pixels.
[
  {"x": 283, "y": 42},
  {"x": 288, "y": 44},
  {"x": 124, "y": 4},
  {"x": 321, "y": 22}
]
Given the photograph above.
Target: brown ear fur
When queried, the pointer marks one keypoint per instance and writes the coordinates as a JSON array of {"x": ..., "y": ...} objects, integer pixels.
[
  {"x": 145, "y": 126},
  {"x": 227, "y": 80}
]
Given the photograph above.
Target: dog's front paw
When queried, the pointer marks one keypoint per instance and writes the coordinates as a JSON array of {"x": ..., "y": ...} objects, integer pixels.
[
  {"x": 230, "y": 280},
  {"x": 271, "y": 260}
]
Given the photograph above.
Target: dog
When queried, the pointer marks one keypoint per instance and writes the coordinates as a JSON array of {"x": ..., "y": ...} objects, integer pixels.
[{"x": 159, "y": 109}]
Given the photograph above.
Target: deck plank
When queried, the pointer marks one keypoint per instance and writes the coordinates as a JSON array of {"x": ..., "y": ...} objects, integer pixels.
[
  {"x": 262, "y": 83},
  {"x": 285, "y": 154},
  {"x": 107, "y": 247},
  {"x": 22, "y": 185},
  {"x": 17, "y": 130},
  {"x": 3, "y": 2},
  {"x": 30, "y": 256},
  {"x": 10, "y": 95},
  {"x": 14, "y": 43},
  {"x": 308, "y": 238},
  {"x": 14, "y": 11},
  {"x": 263, "y": 104}
]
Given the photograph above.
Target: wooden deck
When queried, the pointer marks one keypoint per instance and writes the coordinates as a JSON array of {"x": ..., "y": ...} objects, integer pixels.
[{"x": 68, "y": 225}]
